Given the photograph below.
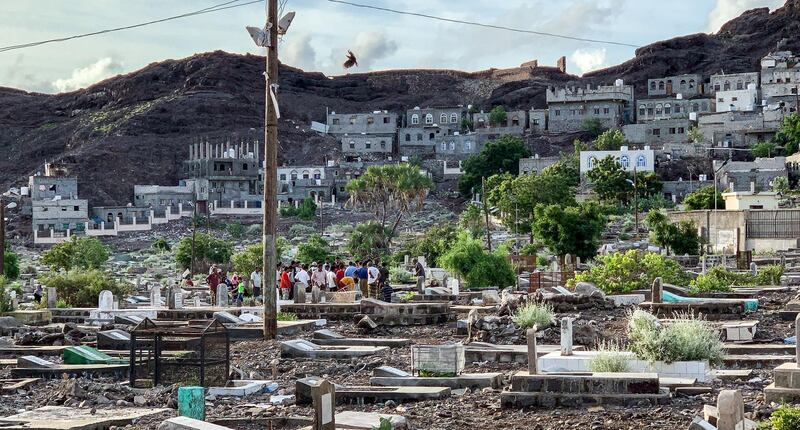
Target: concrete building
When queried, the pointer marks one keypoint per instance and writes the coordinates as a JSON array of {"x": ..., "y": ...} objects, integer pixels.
[
  {"x": 537, "y": 120},
  {"x": 159, "y": 197},
  {"x": 56, "y": 209},
  {"x": 457, "y": 147},
  {"x": 656, "y": 133},
  {"x": 418, "y": 141},
  {"x": 676, "y": 191},
  {"x": 224, "y": 174},
  {"x": 377, "y": 122},
  {"x": 364, "y": 144},
  {"x": 745, "y": 100},
  {"x": 749, "y": 200},
  {"x": 731, "y": 231},
  {"x": 686, "y": 85},
  {"x": 672, "y": 108},
  {"x": 535, "y": 164},
  {"x": 739, "y": 129},
  {"x": 643, "y": 160},
  {"x": 734, "y": 81},
  {"x": 514, "y": 119},
  {"x": 755, "y": 176},
  {"x": 297, "y": 183},
  {"x": 780, "y": 75},
  {"x": 448, "y": 118},
  {"x": 568, "y": 108}
]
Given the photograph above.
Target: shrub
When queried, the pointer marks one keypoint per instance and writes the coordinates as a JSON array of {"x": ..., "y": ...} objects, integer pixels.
[
  {"x": 609, "y": 359},
  {"x": 286, "y": 316},
  {"x": 432, "y": 244},
  {"x": 480, "y": 269},
  {"x": 368, "y": 241},
  {"x": 161, "y": 245},
  {"x": 76, "y": 253},
  {"x": 399, "y": 275},
  {"x": 81, "y": 287},
  {"x": 301, "y": 230},
  {"x": 622, "y": 272},
  {"x": 770, "y": 275},
  {"x": 10, "y": 265},
  {"x": 532, "y": 314},
  {"x": 307, "y": 210},
  {"x": 406, "y": 296},
  {"x": 384, "y": 424},
  {"x": 315, "y": 249},
  {"x": 207, "y": 250},
  {"x": 252, "y": 257},
  {"x": 62, "y": 304},
  {"x": 786, "y": 417},
  {"x": 236, "y": 230},
  {"x": 685, "y": 339}
]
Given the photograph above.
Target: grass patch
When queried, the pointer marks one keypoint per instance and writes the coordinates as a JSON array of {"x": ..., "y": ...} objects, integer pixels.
[
  {"x": 610, "y": 359},
  {"x": 539, "y": 314},
  {"x": 687, "y": 338},
  {"x": 287, "y": 316}
]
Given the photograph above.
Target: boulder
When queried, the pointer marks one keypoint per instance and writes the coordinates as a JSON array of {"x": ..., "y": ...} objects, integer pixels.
[{"x": 587, "y": 289}]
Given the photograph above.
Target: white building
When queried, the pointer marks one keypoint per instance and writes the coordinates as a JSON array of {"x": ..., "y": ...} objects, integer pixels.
[
  {"x": 643, "y": 160},
  {"x": 744, "y": 100}
]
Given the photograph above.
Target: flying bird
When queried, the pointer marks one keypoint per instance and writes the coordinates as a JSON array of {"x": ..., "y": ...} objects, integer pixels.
[{"x": 351, "y": 60}]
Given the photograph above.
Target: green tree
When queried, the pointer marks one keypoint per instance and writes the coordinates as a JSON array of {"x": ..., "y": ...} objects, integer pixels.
[
  {"x": 609, "y": 180},
  {"x": 498, "y": 116},
  {"x": 681, "y": 238},
  {"x": 703, "y": 198},
  {"x": 498, "y": 156},
  {"x": 306, "y": 210},
  {"x": 763, "y": 150},
  {"x": 568, "y": 167},
  {"x": 789, "y": 134},
  {"x": 780, "y": 185},
  {"x": 610, "y": 140},
  {"x": 472, "y": 220},
  {"x": 467, "y": 125},
  {"x": 80, "y": 287},
  {"x": 82, "y": 253},
  {"x": 574, "y": 230},
  {"x": 695, "y": 136},
  {"x": 516, "y": 197},
  {"x": 10, "y": 265},
  {"x": 389, "y": 192},
  {"x": 252, "y": 257},
  {"x": 208, "y": 250},
  {"x": 479, "y": 268},
  {"x": 314, "y": 249},
  {"x": 368, "y": 241},
  {"x": 592, "y": 127},
  {"x": 433, "y": 243}
]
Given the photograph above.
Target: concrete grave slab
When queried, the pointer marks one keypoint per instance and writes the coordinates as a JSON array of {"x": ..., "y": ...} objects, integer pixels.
[
  {"x": 9, "y": 386},
  {"x": 367, "y": 421},
  {"x": 186, "y": 423},
  {"x": 113, "y": 339},
  {"x": 64, "y": 418},
  {"x": 464, "y": 380},
  {"x": 330, "y": 338},
  {"x": 227, "y": 317},
  {"x": 244, "y": 387},
  {"x": 305, "y": 349},
  {"x": 31, "y": 361}
]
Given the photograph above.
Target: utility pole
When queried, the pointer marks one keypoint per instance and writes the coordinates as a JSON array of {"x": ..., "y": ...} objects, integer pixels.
[
  {"x": 635, "y": 205},
  {"x": 486, "y": 214},
  {"x": 2, "y": 236},
  {"x": 194, "y": 232},
  {"x": 270, "y": 175}
]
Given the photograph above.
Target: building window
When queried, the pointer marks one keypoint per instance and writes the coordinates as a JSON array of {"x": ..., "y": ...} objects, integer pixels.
[
  {"x": 64, "y": 209},
  {"x": 691, "y": 83},
  {"x": 641, "y": 161},
  {"x": 656, "y": 132},
  {"x": 306, "y": 174},
  {"x": 558, "y": 112},
  {"x": 452, "y": 146},
  {"x": 244, "y": 166},
  {"x": 335, "y": 121},
  {"x": 443, "y": 118},
  {"x": 606, "y": 110},
  {"x": 667, "y": 109},
  {"x": 368, "y": 144},
  {"x": 716, "y": 87},
  {"x": 370, "y": 120},
  {"x": 317, "y": 174},
  {"x": 352, "y": 120},
  {"x": 467, "y": 146},
  {"x": 294, "y": 175},
  {"x": 352, "y": 144},
  {"x": 681, "y": 130},
  {"x": 642, "y": 109},
  {"x": 739, "y": 85},
  {"x": 624, "y": 161},
  {"x": 453, "y": 118},
  {"x": 387, "y": 120},
  {"x": 721, "y": 100},
  {"x": 444, "y": 146},
  {"x": 695, "y": 107},
  {"x": 408, "y": 137},
  {"x": 592, "y": 160},
  {"x": 383, "y": 144},
  {"x": 428, "y": 119},
  {"x": 672, "y": 130},
  {"x": 515, "y": 121},
  {"x": 76, "y": 208},
  {"x": 419, "y": 137},
  {"x": 283, "y": 176},
  {"x": 415, "y": 119},
  {"x": 650, "y": 111},
  {"x": 661, "y": 85},
  {"x": 431, "y": 136},
  {"x": 653, "y": 85},
  {"x": 734, "y": 99},
  {"x": 658, "y": 109},
  {"x": 536, "y": 121},
  {"x": 727, "y": 86},
  {"x": 677, "y": 108},
  {"x": 597, "y": 111}
]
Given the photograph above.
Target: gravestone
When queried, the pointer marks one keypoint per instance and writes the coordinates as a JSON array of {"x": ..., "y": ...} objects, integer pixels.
[
  {"x": 105, "y": 301},
  {"x": 222, "y": 296},
  {"x": 567, "y": 262},
  {"x": 703, "y": 264},
  {"x": 566, "y": 336},
  {"x": 532, "y": 358},
  {"x": 155, "y": 296},
  {"x": 730, "y": 407},
  {"x": 323, "y": 396},
  {"x": 754, "y": 268},
  {"x": 783, "y": 260},
  {"x": 656, "y": 290},
  {"x": 34, "y": 362},
  {"x": 196, "y": 301},
  {"x": 175, "y": 298},
  {"x": 299, "y": 293},
  {"x": 52, "y": 297},
  {"x": 14, "y": 300},
  {"x": 316, "y": 294},
  {"x": 797, "y": 336}
]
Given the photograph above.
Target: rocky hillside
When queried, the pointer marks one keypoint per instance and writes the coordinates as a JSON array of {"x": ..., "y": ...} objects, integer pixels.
[{"x": 133, "y": 129}]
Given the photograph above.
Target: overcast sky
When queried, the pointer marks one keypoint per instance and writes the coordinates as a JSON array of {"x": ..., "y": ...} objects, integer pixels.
[{"x": 322, "y": 32}]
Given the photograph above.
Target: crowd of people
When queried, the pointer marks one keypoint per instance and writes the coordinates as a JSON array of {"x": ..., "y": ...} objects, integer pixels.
[
  {"x": 237, "y": 286},
  {"x": 368, "y": 276}
]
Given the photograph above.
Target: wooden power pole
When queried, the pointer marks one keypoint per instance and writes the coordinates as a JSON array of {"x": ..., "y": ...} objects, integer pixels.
[
  {"x": 486, "y": 214},
  {"x": 270, "y": 176},
  {"x": 2, "y": 236}
]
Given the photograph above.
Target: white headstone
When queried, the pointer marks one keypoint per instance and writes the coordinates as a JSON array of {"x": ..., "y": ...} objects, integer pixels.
[
  {"x": 155, "y": 296},
  {"x": 566, "y": 336},
  {"x": 105, "y": 301},
  {"x": 178, "y": 297},
  {"x": 222, "y": 296},
  {"x": 52, "y": 297}
]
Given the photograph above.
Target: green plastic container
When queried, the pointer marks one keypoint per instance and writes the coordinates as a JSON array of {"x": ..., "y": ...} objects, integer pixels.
[{"x": 192, "y": 402}]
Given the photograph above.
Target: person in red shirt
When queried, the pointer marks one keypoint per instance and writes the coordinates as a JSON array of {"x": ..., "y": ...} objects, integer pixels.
[
  {"x": 339, "y": 275},
  {"x": 286, "y": 284},
  {"x": 213, "y": 282}
]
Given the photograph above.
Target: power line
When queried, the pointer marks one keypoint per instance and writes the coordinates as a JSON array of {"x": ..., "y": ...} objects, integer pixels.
[
  {"x": 479, "y": 24},
  {"x": 216, "y": 8}
]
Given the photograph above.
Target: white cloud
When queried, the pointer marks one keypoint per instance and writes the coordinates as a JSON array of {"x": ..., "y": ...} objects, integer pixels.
[
  {"x": 725, "y": 10},
  {"x": 85, "y": 76},
  {"x": 298, "y": 52},
  {"x": 587, "y": 60}
]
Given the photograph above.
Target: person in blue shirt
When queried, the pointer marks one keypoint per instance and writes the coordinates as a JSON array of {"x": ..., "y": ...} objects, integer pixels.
[
  {"x": 350, "y": 269},
  {"x": 363, "y": 275}
]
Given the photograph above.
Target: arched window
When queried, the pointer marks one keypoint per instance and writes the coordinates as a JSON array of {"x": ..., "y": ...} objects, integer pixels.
[
  {"x": 691, "y": 83},
  {"x": 444, "y": 146},
  {"x": 452, "y": 146},
  {"x": 660, "y": 85},
  {"x": 352, "y": 144},
  {"x": 432, "y": 136},
  {"x": 515, "y": 120},
  {"x": 419, "y": 137},
  {"x": 306, "y": 174},
  {"x": 443, "y": 118},
  {"x": 428, "y": 119},
  {"x": 467, "y": 146},
  {"x": 683, "y": 83},
  {"x": 747, "y": 84},
  {"x": 739, "y": 85},
  {"x": 695, "y": 107},
  {"x": 624, "y": 161},
  {"x": 408, "y": 137},
  {"x": 642, "y": 109},
  {"x": 726, "y": 86},
  {"x": 317, "y": 174},
  {"x": 641, "y": 161},
  {"x": 667, "y": 108},
  {"x": 592, "y": 160},
  {"x": 453, "y": 118},
  {"x": 658, "y": 109},
  {"x": 415, "y": 119},
  {"x": 653, "y": 85},
  {"x": 293, "y": 175}
]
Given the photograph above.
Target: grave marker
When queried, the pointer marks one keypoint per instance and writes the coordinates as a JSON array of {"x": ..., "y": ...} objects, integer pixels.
[
  {"x": 52, "y": 297},
  {"x": 323, "y": 395},
  {"x": 753, "y": 268},
  {"x": 566, "y": 336},
  {"x": 656, "y": 290},
  {"x": 316, "y": 294},
  {"x": 105, "y": 301},
  {"x": 532, "y": 358},
  {"x": 730, "y": 407},
  {"x": 155, "y": 296},
  {"x": 703, "y": 264},
  {"x": 222, "y": 296}
]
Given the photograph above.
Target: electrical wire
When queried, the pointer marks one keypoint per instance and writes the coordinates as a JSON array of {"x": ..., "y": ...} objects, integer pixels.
[
  {"x": 479, "y": 24},
  {"x": 216, "y": 8}
]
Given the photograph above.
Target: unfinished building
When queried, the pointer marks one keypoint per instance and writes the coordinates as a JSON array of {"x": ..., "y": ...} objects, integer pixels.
[{"x": 569, "y": 108}]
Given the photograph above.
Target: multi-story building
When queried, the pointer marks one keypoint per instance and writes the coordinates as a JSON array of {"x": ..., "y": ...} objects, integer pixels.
[
  {"x": 159, "y": 197},
  {"x": 660, "y": 132},
  {"x": 734, "y": 81},
  {"x": 514, "y": 119},
  {"x": 424, "y": 128},
  {"x": 297, "y": 183},
  {"x": 55, "y": 206},
  {"x": 740, "y": 129},
  {"x": 672, "y": 108},
  {"x": 643, "y": 160},
  {"x": 535, "y": 164},
  {"x": 749, "y": 175},
  {"x": 364, "y": 144},
  {"x": 224, "y": 174},
  {"x": 457, "y": 146},
  {"x": 745, "y": 100},
  {"x": 569, "y": 108},
  {"x": 377, "y": 122},
  {"x": 537, "y": 120},
  {"x": 780, "y": 75},
  {"x": 686, "y": 85}
]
